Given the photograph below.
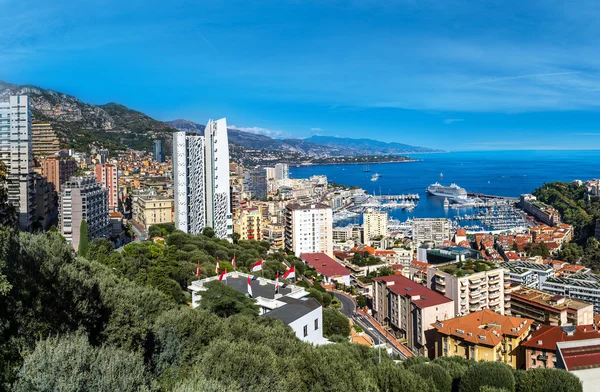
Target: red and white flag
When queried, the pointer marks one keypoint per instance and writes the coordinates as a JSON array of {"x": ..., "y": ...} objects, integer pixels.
[
  {"x": 277, "y": 283},
  {"x": 217, "y": 267},
  {"x": 233, "y": 264},
  {"x": 249, "y": 288},
  {"x": 256, "y": 266},
  {"x": 222, "y": 277},
  {"x": 198, "y": 270},
  {"x": 290, "y": 274}
]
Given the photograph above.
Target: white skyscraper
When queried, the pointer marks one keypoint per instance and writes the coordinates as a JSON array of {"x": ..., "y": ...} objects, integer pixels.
[
  {"x": 201, "y": 178},
  {"x": 16, "y": 154},
  {"x": 282, "y": 171},
  {"x": 308, "y": 229}
]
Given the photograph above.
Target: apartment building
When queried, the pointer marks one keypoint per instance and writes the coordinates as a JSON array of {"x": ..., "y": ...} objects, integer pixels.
[
  {"x": 436, "y": 230},
  {"x": 551, "y": 309},
  {"x": 483, "y": 336},
  {"x": 282, "y": 171},
  {"x": 157, "y": 151},
  {"x": 583, "y": 287},
  {"x": 540, "y": 346},
  {"x": 46, "y": 203},
  {"x": 528, "y": 274},
  {"x": 308, "y": 229},
  {"x": 43, "y": 140},
  {"x": 275, "y": 234},
  {"x": 153, "y": 210},
  {"x": 470, "y": 290},
  {"x": 542, "y": 212},
  {"x": 83, "y": 199},
  {"x": 16, "y": 154},
  {"x": 249, "y": 223},
  {"x": 374, "y": 224},
  {"x": 410, "y": 309},
  {"x": 201, "y": 180},
  {"x": 107, "y": 175},
  {"x": 255, "y": 183},
  {"x": 58, "y": 170}
]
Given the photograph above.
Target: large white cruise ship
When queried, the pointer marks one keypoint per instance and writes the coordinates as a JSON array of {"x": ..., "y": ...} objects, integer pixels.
[{"x": 452, "y": 192}]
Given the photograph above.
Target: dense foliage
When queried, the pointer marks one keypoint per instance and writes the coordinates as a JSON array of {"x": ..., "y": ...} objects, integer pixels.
[
  {"x": 578, "y": 210},
  {"x": 72, "y": 324}
]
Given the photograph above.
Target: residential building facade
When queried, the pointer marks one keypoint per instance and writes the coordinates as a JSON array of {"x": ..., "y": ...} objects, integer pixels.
[
  {"x": 308, "y": 229},
  {"x": 436, "y": 230},
  {"x": 374, "y": 224},
  {"x": 550, "y": 309},
  {"x": 107, "y": 175},
  {"x": 16, "y": 154},
  {"x": 410, "y": 309},
  {"x": 249, "y": 223},
  {"x": 201, "y": 180},
  {"x": 83, "y": 199},
  {"x": 153, "y": 210},
  {"x": 483, "y": 336},
  {"x": 255, "y": 183},
  {"x": 282, "y": 171},
  {"x": 58, "y": 170},
  {"x": 471, "y": 292},
  {"x": 43, "y": 140},
  {"x": 583, "y": 287},
  {"x": 528, "y": 274}
]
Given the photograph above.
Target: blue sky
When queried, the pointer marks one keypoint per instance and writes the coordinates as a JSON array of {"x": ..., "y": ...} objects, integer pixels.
[{"x": 446, "y": 74}]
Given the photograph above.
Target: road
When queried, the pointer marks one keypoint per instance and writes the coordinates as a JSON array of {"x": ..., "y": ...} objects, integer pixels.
[{"x": 348, "y": 308}]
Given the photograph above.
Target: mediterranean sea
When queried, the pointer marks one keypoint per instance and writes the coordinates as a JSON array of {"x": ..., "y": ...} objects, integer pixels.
[{"x": 501, "y": 173}]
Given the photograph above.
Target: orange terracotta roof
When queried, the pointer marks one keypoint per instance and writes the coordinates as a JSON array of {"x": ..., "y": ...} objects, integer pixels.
[
  {"x": 461, "y": 232},
  {"x": 547, "y": 336},
  {"x": 484, "y": 327}
]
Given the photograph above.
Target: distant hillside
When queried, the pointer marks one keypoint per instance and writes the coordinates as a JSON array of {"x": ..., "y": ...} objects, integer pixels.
[
  {"x": 359, "y": 146},
  {"x": 81, "y": 125}
]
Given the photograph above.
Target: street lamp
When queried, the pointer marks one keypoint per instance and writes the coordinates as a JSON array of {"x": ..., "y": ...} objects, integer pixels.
[{"x": 379, "y": 345}]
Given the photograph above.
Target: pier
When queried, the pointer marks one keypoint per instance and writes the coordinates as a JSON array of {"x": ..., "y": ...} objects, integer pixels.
[
  {"x": 409, "y": 196},
  {"x": 483, "y": 196}
]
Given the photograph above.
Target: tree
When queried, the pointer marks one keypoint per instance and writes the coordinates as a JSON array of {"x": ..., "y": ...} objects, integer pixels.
[
  {"x": 84, "y": 239},
  {"x": 225, "y": 301},
  {"x": 493, "y": 374},
  {"x": 71, "y": 364},
  {"x": 434, "y": 372},
  {"x": 391, "y": 377},
  {"x": 235, "y": 237},
  {"x": 547, "y": 380},
  {"x": 208, "y": 232},
  {"x": 335, "y": 323}
]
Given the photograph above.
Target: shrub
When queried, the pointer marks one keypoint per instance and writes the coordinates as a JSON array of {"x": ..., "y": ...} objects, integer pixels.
[
  {"x": 434, "y": 372},
  {"x": 547, "y": 380},
  {"x": 493, "y": 374}
]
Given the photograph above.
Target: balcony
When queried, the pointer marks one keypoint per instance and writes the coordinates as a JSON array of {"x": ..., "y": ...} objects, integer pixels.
[{"x": 495, "y": 294}]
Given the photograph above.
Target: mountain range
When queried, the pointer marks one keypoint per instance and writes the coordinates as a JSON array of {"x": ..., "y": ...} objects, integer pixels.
[{"x": 81, "y": 126}]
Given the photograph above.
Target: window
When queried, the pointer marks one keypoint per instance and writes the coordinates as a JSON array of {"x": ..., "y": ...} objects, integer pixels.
[
  {"x": 305, "y": 330},
  {"x": 316, "y": 324},
  {"x": 532, "y": 361}
]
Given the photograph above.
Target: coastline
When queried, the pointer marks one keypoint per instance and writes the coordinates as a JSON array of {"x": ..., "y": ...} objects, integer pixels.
[{"x": 354, "y": 163}]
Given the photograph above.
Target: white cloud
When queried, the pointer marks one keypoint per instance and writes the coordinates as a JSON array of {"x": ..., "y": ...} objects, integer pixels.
[
  {"x": 316, "y": 129},
  {"x": 260, "y": 131},
  {"x": 453, "y": 120}
]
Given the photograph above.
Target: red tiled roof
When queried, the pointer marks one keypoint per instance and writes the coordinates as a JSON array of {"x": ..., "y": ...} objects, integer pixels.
[
  {"x": 324, "y": 264},
  {"x": 461, "y": 232},
  {"x": 547, "y": 336},
  {"x": 406, "y": 287},
  {"x": 585, "y": 357}
]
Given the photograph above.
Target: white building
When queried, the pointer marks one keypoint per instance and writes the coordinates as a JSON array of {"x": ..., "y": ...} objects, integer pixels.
[
  {"x": 291, "y": 305},
  {"x": 584, "y": 287},
  {"x": 435, "y": 230},
  {"x": 308, "y": 229},
  {"x": 472, "y": 291},
  {"x": 282, "y": 171},
  {"x": 528, "y": 274},
  {"x": 580, "y": 357},
  {"x": 82, "y": 198},
  {"x": 374, "y": 224},
  {"x": 16, "y": 154},
  {"x": 201, "y": 180}
]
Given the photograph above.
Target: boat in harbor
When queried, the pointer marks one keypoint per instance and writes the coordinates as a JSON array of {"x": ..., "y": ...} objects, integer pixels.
[
  {"x": 375, "y": 177},
  {"x": 453, "y": 192},
  {"x": 367, "y": 169},
  {"x": 446, "y": 202}
]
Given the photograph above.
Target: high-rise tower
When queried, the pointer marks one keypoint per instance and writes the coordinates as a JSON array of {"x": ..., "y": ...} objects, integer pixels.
[{"x": 201, "y": 178}]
